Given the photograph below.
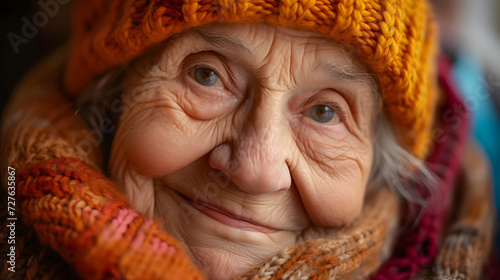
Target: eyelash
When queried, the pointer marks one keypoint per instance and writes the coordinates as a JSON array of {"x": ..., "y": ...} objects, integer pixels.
[
  {"x": 205, "y": 55},
  {"x": 335, "y": 106},
  {"x": 223, "y": 75},
  {"x": 201, "y": 65}
]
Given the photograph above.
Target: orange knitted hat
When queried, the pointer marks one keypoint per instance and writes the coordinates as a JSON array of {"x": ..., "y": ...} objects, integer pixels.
[{"x": 395, "y": 38}]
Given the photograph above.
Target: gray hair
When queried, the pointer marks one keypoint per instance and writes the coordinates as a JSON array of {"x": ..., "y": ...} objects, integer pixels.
[{"x": 393, "y": 166}]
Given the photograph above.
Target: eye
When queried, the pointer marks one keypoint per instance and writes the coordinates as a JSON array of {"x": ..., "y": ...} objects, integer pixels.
[
  {"x": 322, "y": 113},
  {"x": 205, "y": 76}
]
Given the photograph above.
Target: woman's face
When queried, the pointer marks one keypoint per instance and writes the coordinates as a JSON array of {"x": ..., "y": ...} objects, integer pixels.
[{"x": 238, "y": 138}]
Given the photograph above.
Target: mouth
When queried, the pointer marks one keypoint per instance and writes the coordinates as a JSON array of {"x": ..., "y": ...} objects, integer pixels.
[{"x": 228, "y": 218}]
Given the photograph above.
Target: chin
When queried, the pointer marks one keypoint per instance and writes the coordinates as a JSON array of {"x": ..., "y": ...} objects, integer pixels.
[
  {"x": 218, "y": 265},
  {"x": 223, "y": 251}
]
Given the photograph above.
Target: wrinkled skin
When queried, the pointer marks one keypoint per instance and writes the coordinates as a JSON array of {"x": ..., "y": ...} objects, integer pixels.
[{"x": 229, "y": 124}]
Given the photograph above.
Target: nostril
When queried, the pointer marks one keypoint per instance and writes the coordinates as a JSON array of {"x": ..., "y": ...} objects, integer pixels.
[
  {"x": 220, "y": 158},
  {"x": 252, "y": 168}
]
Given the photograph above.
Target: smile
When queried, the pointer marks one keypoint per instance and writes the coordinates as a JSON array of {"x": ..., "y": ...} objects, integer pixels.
[{"x": 228, "y": 218}]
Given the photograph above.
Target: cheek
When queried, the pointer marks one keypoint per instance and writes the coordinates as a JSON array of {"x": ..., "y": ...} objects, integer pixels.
[
  {"x": 204, "y": 105},
  {"x": 334, "y": 186},
  {"x": 161, "y": 140},
  {"x": 339, "y": 201}
]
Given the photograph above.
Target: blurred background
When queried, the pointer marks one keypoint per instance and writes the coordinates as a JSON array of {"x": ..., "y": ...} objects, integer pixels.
[
  {"x": 50, "y": 25},
  {"x": 469, "y": 36}
]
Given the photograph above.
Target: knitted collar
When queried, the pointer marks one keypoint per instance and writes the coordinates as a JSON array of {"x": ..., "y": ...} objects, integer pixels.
[{"x": 77, "y": 212}]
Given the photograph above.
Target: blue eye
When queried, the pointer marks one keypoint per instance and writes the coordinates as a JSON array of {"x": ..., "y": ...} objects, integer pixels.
[
  {"x": 205, "y": 76},
  {"x": 322, "y": 113}
]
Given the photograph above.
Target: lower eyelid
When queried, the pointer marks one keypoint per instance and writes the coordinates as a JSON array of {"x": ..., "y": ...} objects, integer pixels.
[
  {"x": 307, "y": 126},
  {"x": 215, "y": 93}
]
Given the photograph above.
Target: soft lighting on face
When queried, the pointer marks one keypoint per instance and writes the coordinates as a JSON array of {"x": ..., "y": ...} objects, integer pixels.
[{"x": 243, "y": 137}]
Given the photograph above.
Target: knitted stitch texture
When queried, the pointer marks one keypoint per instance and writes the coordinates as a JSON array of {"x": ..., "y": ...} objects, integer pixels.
[
  {"x": 396, "y": 39},
  {"x": 69, "y": 206},
  {"x": 80, "y": 214}
]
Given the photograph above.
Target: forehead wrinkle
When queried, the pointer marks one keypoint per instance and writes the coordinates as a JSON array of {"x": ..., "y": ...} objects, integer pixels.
[{"x": 218, "y": 39}]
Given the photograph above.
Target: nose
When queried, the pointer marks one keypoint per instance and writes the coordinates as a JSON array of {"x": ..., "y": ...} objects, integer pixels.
[{"x": 256, "y": 158}]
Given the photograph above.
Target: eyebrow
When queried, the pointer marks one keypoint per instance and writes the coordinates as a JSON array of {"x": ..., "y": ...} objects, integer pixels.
[
  {"x": 223, "y": 42},
  {"x": 346, "y": 72}
]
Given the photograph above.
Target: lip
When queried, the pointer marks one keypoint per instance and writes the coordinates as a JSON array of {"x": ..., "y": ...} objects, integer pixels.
[{"x": 228, "y": 218}]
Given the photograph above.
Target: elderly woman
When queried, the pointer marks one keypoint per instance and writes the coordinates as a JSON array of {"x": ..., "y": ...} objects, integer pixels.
[{"x": 251, "y": 139}]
